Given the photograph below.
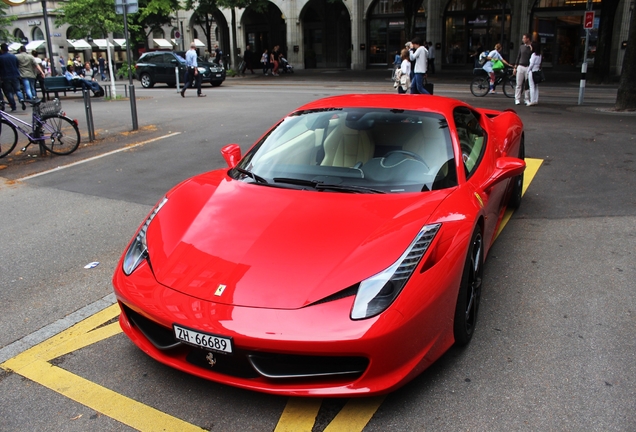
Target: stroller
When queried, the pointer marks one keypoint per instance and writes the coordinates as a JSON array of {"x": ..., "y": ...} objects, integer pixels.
[{"x": 285, "y": 67}]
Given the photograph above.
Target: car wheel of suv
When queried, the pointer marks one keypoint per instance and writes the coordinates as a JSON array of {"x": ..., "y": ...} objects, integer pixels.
[{"x": 146, "y": 80}]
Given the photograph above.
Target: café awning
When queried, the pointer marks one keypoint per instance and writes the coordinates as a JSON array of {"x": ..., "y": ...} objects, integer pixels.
[
  {"x": 162, "y": 43},
  {"x": 79, "y": 44},
  {"x": 33, "y": 45}
]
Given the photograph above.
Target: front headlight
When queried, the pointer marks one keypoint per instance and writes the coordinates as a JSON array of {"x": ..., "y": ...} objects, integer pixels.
[
  {"x": 138, "y": 249},
  {"x": 201, "y": 70},
  {"x": 376, "y": 293}
]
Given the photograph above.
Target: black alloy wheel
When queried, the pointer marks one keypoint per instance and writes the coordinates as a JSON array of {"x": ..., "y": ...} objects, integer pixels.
[{"x": 469, "y": 291}]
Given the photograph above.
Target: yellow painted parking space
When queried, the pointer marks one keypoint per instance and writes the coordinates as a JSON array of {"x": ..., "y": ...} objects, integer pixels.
[{"x": 299, "y": 414}]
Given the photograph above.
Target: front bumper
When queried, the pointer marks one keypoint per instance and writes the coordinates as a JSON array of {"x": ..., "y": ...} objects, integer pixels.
[{"x": 313, "y": 351}]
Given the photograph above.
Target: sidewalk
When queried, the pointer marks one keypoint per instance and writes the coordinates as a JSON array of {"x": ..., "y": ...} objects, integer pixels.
[{"x": 450, "y": 76}]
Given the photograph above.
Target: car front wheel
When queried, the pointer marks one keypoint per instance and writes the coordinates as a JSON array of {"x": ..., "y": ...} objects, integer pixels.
[
  {"x": 469, "y": 291},
  {"x": 146, "y": 80}
]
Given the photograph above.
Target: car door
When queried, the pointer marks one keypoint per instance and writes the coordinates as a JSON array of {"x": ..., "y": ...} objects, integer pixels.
[{"x": 479, "y": 164}]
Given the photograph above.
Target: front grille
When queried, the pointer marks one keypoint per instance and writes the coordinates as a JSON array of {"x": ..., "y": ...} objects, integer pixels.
[
  {"x": 250, "y": 364},
  {"x": 160, "y": 336},
  {"x": 276, "y": 366}
]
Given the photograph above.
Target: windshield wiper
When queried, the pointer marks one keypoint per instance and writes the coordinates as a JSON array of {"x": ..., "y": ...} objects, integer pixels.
[
  {"x": 321, "y": 186},
  {"x": 257, "y": 178}
]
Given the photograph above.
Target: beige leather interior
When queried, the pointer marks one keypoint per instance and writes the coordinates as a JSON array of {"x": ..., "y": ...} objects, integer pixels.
[
  {"x": 430, "y": 143},
  {"x": 344, "y": 147}
]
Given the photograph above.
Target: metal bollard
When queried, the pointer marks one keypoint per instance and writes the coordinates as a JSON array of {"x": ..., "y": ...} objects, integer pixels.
[
  {"x": 176, "y": 77},
  {"x": 125, "y": 91},
  {"x": 89, "y": 114}
]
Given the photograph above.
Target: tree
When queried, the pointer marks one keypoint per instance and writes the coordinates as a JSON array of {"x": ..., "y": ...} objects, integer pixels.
[
  {"x": 203, "y": 14},
  {"x": 626, "y": 95},
  {"x": 5, "y": 21},
  {"x": 410, "y": 10},
  {"x": 90, "y": 17},
  {"x": 152, "y": 14},
  {"x": 602, "y": 58}
]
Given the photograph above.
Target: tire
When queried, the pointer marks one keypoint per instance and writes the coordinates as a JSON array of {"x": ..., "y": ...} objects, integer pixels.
[
  {"x": 146, "y": 80},
  {"x": 61, "y": 134},
  {"x": 8, "y": 138},
  {"x": 517, "y": 189},
  {"x": 480, "y": 86},
  {"x": 509, "y": 84},
  {"x": 469, "y": 291}
]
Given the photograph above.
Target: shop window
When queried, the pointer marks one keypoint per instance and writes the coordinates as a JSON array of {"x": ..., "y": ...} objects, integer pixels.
[{"x": 37, "y": 34}]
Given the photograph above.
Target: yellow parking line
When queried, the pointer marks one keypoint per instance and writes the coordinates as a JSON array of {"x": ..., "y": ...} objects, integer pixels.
[
  {"x": 121, "y": 408},
  {"x": 299, "y": 415},
  {"x": 34, "y": 365},
  {"x": 532, "y": 166},
  {"x": 355, "y": 415}
]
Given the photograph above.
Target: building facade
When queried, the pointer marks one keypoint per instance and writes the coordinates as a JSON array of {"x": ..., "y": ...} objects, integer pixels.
[{"x": 361, "y": 34}]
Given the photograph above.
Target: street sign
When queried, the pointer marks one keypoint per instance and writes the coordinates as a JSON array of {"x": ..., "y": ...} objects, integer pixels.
[
  {"x": 131, "y": 6},
  {"x": 588, "y": 22},
  {"x": 177, "y": 34}
]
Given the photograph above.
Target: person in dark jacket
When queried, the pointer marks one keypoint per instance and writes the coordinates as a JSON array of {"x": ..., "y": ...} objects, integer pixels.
[{"x": 10, "y": 76}]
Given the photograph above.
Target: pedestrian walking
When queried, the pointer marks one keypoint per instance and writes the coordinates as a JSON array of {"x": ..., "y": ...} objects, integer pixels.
[
  {"x": 101, "y": 66},
  {"x": 39, "y": 75},
  {"x": 265, "y": 62},
  {"x": 418, "y": 54},
  {"x": 534, "y": 66},
  {"x": 521, "y": 69},
  {"x": 10, "y": 77},
  {"x": 248, "y": 60},
  {"x": 192, "y": 71},
  {"x": 403, "y": 74},
  {"x": 28, "y": 68}
]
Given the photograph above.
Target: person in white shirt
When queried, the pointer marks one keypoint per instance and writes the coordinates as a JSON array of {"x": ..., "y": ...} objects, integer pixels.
[
  {"x": 419, "y": 54},
  {"x": 403, "y": 74},
  {"x": 535, "y": 65},
  {"x": 192, "y": 76}
]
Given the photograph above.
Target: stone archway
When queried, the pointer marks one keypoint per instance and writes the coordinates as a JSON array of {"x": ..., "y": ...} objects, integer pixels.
[
  {"x": 264, "y": 30},
  {"x": 213, "y": 28},
  {"x": 326, "y": 34}
]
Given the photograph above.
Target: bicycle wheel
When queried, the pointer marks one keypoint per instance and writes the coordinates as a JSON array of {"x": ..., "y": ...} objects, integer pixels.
[
  {"x": 509, "y": 84},
  {"x": 61, "y": 135},
  {"x": 8, "y": 138},
  {"x": 480, "y": 86}
]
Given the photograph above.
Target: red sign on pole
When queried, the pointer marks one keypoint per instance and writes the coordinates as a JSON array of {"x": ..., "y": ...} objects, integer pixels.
[{"x": 588, "y": 22}]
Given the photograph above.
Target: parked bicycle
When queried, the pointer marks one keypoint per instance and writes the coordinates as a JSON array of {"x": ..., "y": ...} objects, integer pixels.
[
  {"x": 50, "y": 128},
  {"x": 480, "y": 86}
]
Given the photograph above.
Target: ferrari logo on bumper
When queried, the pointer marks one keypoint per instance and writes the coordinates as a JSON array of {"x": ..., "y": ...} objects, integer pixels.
[{"x": 211, "y": 360}]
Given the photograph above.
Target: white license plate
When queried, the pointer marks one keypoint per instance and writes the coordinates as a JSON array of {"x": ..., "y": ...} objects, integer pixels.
[
  {"x": 218, "y": 75},
  {"x": 203, "y": 340}
]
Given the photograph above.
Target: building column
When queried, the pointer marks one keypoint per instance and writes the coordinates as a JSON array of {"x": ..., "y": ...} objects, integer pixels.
[
  {"x": 435, "y": 28},
  {"x": 358, "y": 35},
  {"x": 625, "y": 12},
  {"x": 294, "y": 34}
]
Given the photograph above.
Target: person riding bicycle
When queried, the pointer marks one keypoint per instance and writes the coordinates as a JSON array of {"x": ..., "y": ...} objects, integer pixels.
[{"x": 493, "y": 57}]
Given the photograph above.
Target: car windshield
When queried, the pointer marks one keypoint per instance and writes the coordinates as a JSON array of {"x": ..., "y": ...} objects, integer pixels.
[{"x": 354, "y": 150}]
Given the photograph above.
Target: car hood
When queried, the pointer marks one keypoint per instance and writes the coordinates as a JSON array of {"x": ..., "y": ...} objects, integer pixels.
[{"x": 243, "y": 244}]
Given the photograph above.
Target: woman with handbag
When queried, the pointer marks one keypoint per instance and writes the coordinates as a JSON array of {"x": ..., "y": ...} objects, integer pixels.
[
  {"x": 403, "y": 74},
  {"x": 534, "y": 77},
  {"x": 494, "y": 64}
]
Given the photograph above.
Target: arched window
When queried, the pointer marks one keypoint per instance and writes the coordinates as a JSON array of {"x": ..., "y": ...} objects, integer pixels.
[
  {"x": 18, "y": 34},
  {"x": 157, "y": 33},
  {"x": 37, "y": 34}
]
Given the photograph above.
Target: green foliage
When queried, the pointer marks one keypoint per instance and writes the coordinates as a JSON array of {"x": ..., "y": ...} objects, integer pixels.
[
  {"x": 122, "y": 72},
  {"x": 5, "y": 21},
  {"x": 94, "y": 17}
]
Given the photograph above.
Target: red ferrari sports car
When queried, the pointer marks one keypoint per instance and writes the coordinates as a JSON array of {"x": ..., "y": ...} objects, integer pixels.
[{"x": 341, "y": 255}]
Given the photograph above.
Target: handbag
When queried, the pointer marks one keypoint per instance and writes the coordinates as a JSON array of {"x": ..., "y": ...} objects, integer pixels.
[
  {"x": 538, "y": 76},
  {"x": 497, "y": 65}
]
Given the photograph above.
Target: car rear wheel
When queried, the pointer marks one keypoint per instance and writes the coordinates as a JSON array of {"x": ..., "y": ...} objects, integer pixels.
[
  {"x": 469, "y": 291},
  {"x": 480, "y": 86},
  {"x": 146, "y": 80},
  {"x": 517, "y": 190}
]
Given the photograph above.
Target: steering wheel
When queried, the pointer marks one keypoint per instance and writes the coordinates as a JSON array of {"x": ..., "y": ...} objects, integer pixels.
[{"x": 408, "y": 153}]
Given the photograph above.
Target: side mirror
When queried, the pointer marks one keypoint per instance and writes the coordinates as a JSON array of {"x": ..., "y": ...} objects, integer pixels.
[
  {"x": 505, "y": 168},
  {"x": 232, "y": 154}
]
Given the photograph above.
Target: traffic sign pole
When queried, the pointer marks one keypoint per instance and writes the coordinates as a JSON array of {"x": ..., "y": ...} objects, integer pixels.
[{"x": 588, "y": 24}]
